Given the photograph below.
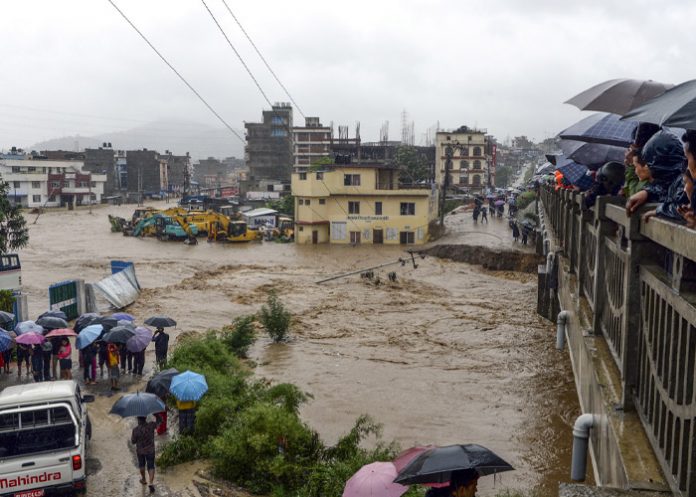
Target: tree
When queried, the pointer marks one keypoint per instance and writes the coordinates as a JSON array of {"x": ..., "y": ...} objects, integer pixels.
[
  {"x": 413, "y": 165},
  {"x": 284, "y": 205},
  {"x": 14, "y": 233}
]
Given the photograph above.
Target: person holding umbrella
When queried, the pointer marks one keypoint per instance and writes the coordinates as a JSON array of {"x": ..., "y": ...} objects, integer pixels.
[
  {"x": 112, "y": 361},
  {"x": 161, "y": 340},
  {"x": 64, "y": 353},
  {"x": 188, "y": 388},
  {"x": 143, "y": 437},
  {"x": 141, "y": 405}
]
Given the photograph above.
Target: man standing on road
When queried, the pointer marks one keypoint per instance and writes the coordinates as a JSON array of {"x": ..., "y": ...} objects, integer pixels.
[
  {"x": 161, "y": 340},
  {"x": 143, "y": 437}
]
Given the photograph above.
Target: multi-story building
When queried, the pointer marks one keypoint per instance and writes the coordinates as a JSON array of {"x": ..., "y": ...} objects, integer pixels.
[
  {"x": 311, "y": 143},
  {"x": 361, "y": 203},
  {"x": 210, "y": 173},
  {"x": 466, "y": 148},
  {"x": 178, "y": 168},
  {"x": 102, "y": 160},
  {"x": 269, "y": 150},
  {"x": 146, "y": 172},
  {"x": 36, "y": 181}
]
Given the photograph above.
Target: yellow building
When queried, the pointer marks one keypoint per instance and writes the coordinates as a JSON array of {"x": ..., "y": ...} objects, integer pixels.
[{"x": 361, "y": 203}]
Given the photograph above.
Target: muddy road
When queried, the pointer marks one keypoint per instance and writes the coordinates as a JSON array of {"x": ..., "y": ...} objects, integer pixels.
[{"x": 448, "y": 353}]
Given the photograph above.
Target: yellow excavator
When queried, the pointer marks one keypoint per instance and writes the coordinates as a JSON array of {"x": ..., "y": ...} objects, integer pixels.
[{"x": 219, "y": 227}]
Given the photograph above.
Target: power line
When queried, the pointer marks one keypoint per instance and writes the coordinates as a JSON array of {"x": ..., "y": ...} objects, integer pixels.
[
  {"x": 251, "y": 75},
  {"x": 177, "y": 73},
  {"x": 258, "y": 52}
]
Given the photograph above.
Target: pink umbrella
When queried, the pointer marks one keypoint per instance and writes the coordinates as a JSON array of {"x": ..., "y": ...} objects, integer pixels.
[
  {"x": 61, "y": 332},
  {"x": 30, "y": 338},
  {"x": 403, "y": 460},
  {"x": 374, "y": 480}
]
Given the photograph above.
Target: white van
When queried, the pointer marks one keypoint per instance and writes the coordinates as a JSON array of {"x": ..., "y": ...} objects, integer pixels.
[{"x": 43, "y": 435}]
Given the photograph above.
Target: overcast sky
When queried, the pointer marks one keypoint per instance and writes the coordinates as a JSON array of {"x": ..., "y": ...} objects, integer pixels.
[{"x": 76, "y": 66}]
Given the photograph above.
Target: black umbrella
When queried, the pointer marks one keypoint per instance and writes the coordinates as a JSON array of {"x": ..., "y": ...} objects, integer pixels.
[
  {"x": 52, "y": 323},
  {"x": 119, "y": 334},
  {"x": 137, "y": 404},
  {"x": 437, "y": 464},
  {"x": 676, "y": 107},
  {"x": 618, "y": 96},
  {"x": 6, "y": 317},
  {"x": 160, "y": 321},
  {"x": 53, "y": 314},
  {"x": 159, "y": 384},
  {"x": 601, "y": 128},
  {"x": 106, "y": 321},
  {"x": 592, "y": 155},
  {"x": 84, "y": 320}
]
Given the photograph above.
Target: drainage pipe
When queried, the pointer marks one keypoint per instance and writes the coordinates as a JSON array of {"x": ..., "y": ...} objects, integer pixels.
[
  {"x": 581, "y": 441},
  {"x": 561, "y": 324}
]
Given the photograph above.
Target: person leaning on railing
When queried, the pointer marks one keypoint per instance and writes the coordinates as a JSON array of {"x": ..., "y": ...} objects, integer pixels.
[
  {"x": 632, "y": 182},
  {"x": 661, "y": 161},
  {"x": 688, "y": 212}
]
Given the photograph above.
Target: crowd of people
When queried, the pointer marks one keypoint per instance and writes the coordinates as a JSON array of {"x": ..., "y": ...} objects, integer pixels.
[{"x": 658, "y": 168}]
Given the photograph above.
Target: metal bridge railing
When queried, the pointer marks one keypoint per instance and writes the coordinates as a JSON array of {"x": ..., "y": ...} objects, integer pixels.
[{"x": 639, "y": 279}]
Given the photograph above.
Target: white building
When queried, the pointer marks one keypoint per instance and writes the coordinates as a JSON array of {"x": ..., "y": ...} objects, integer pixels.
[
  {"x": 466, "y": 148},
  {"x": 311, "y": 143},
  {"x": 36, "y": 182}
]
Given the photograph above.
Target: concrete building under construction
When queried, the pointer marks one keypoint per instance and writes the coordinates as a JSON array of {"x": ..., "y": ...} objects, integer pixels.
[{"x": 269, "y": 146}]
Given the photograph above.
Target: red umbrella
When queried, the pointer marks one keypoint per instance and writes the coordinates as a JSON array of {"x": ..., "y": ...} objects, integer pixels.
[{"x": 61, "y": 332}]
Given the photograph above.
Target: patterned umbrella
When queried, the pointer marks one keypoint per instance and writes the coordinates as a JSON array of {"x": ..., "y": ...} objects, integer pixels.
[
  {"x": 601, "y": 128},
  {"x": 6, "y": 342},
  {"x": 139, "y": 341},
  {"x": 26, "y": 326}
]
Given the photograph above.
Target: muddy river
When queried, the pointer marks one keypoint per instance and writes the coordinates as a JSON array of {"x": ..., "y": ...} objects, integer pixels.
[{"x": 449, "y": 353}]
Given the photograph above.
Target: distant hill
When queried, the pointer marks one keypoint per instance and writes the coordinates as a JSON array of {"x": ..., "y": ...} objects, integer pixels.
[{"x": 200, "y": 140}]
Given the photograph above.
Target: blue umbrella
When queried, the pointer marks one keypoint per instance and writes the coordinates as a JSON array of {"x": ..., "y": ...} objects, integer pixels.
[
  {"x": 137, "y": 405},
  {"x": 89, "y": 335},
  {"x": 593, "y": 155},
  {"x": 6, "y": 341},
  {"x": 188, "y": 386},
  {"x": 25, "y": 326},
  {"x": 123, "y": 316},
  {"x": 601, "y": 128}
]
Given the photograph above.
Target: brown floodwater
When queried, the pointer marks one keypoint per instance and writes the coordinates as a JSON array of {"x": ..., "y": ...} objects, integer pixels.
[{"x": 449, "y": 353}]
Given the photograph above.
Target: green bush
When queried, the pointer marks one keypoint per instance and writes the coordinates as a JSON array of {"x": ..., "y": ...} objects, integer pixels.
[
  {"x": 7, "y": 300},
  {"x": 240, "y": 336},
  {"x": 197, "y": 353},
  {"x": 524, "y": 199},
  {"x": 275, "y": 318},
  {"x": 182, "y": 449},
  {"x": 267, "y": 447}
]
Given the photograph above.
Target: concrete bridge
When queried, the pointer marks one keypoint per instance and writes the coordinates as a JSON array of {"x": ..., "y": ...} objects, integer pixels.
[{"x": 629, "y": 291}]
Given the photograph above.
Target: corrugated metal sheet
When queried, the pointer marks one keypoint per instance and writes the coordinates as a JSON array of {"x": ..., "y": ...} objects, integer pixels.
[{"x": 120, "y": 289}]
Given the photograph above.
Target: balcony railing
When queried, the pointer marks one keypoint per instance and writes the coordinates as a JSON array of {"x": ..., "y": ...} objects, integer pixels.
[{"x": 639, "y": 279}]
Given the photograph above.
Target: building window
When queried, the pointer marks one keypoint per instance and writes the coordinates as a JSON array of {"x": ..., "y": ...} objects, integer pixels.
[
  {"x": 52, "y": 198},
  {"x": 354, "y": 237},
  {"x": 36, "y": 184},
  {"x": 351, "y": 180},
  {"x": 353, "y": 207},
  {"x": 36, "y": 198},
  {"x": 31, "y": 169},
  {"x": 17, "y": 184},
  {"x": 338, "y": 231},
  {"x": 408, "y": 209},
  {"x": 277, "y": 120},
  {"x": 477, "y": 180},
  {"x": 477, "y": 151},
  {"x": 306, "y": 202},
  {"x": 15, "y": 169},
  {"x": 378, "y": 208},
  {"x": 322, "y": 201},
  {"x": 55, "y": 184},
  {"x": 94, "y": 184},
  {"x": 477, "y": 164},
  {"x": 300, "y": 202},
  {"x": 320, "y": 176},
  {"x": 464, "y": 164},
  {"x": 463, "y": 180},
  {"x": 406, "y": 237},
  {"x": 279, "y": 132},
  {"x": 303, "y": 176}
]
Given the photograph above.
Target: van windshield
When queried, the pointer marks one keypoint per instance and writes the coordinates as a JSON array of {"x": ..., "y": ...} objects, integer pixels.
[{"x": 40, "y": 430}]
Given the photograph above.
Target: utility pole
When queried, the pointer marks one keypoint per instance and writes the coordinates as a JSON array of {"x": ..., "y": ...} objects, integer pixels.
[{"x": 445, "y": 183}]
